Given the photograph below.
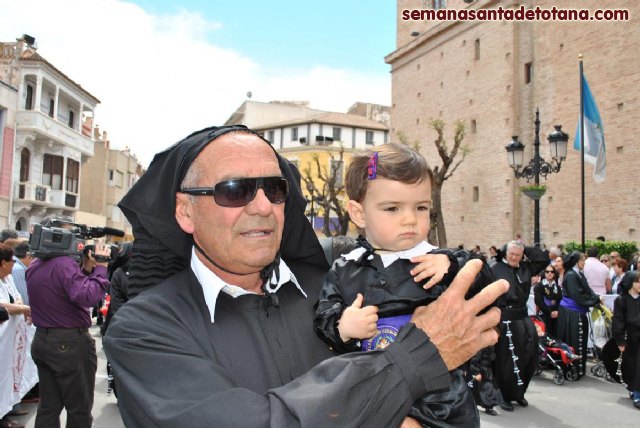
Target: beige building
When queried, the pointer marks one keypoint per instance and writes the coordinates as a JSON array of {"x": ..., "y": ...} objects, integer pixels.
[
  {"x": 493, "y": 75},
  {"x": 106, "y": 177}
]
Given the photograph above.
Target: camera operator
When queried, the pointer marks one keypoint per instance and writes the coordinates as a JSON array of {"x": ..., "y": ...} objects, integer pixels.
[{"x": 61, "y": 297}]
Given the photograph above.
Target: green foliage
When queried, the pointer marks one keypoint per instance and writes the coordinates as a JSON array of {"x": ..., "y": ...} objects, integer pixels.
[
  {"x": 533, "y": 187},
  {"x": 626, "y": 248}
]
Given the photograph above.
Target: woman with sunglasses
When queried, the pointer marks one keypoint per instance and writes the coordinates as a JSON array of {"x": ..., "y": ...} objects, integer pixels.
[{"x": 547, "y": 295}]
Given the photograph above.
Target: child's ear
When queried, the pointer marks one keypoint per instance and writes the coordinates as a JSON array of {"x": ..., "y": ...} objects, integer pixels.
[{"x": 356, "y": 212}]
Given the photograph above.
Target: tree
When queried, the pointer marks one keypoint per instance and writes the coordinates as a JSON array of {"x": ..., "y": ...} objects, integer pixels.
[
  {"x": 437, "y": 232},
  {"x": 329, "y": 194}
]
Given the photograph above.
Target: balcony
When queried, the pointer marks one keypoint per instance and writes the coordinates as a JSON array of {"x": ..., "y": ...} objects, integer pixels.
[
  {"x": 32, "y": 193},
  {"x": 46, "y": 128},
  {"x": 64, "y": 199}
]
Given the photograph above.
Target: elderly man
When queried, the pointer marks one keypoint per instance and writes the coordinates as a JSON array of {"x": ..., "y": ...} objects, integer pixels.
[
  {"x": 228, "y": 340},
  {"x": 516, "y": 350}
]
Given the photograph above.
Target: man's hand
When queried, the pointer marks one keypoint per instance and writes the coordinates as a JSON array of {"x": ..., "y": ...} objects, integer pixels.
[
  {"x": 453, "y": 324},
  {"x": 358, "y": 322},
  {"x": 90, "y": 262},
  {"x": 554, "y": 314},
  {"x": 435, "y": 266}
]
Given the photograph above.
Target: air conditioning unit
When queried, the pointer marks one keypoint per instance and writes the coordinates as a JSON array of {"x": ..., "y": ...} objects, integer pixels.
[
  {"x": 303, "y": 141},
  {"x": 319, "y": 139}
]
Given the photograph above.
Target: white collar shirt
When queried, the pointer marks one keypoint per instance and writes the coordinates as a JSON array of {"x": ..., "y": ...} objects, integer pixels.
[
  {"x": 389, "y": 257},
  {"x": 212, "y": 285}
]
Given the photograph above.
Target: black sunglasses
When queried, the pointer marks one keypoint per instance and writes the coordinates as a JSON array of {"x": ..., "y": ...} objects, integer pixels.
[
  {"x": 240, "y": 191},
  {"x": 548, "y": 271}
]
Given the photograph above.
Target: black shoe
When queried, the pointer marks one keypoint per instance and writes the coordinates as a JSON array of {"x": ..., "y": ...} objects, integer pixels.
[
  {"x": 636, "y": 404},
  {"x": 507, "y": 407},
  {"x": 490, "y": 411},
  {"x": 522, "y": 402}
]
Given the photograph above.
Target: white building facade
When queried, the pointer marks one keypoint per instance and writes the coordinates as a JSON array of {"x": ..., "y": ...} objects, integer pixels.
[{"x": 54, "y": 117}]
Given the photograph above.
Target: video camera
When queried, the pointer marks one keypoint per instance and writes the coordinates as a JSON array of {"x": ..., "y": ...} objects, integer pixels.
[{"x": 50, "y": 240}]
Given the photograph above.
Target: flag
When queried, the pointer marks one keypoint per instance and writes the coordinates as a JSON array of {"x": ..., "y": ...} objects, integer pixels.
[{"x": 594, "y": 148}]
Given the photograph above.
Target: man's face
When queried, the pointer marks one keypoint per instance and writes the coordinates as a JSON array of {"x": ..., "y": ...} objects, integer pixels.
[
  {"x": 244, "y": 239},
  {"x": 514, "y": 255},
  {"x": 396, "y": 214},
  {"x": 613, "y": 257}
]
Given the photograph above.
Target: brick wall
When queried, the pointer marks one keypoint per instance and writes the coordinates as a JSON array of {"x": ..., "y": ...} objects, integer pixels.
[{"x": 438, "y": 76}]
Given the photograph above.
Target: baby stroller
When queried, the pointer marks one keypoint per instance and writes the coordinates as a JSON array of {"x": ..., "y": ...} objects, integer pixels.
[
  {"x": 554, "y": 354},
  {"x": 600, "y": 324}
]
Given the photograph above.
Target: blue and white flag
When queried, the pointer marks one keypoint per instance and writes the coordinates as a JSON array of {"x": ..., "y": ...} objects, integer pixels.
[{"x": 594, "y": 149}]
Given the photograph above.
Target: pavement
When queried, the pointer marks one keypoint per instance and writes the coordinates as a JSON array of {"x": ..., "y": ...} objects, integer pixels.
[{"x": 589, "y": 402}]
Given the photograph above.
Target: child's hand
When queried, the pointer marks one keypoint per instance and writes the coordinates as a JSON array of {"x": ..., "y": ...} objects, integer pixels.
[
  {"x": 435, "y": 266},
  {"x": 477, "y": 377},
  {"x": 358, "y": 322}
]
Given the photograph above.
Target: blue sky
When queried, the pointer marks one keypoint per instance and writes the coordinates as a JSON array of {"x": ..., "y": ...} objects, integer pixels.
[
  {"x": 163, "y": 69},
  {"x": 354, "y": 34}
]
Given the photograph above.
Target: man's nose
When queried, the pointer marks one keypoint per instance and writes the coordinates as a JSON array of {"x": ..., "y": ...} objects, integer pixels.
[{"x": 260, "y": 204}]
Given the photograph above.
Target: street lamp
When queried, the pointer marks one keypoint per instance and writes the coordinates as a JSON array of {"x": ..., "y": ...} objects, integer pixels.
[{"x": 537, "y": 166}]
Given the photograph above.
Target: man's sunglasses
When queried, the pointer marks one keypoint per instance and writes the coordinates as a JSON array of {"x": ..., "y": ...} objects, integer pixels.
[{"x": 240, "y": 191}]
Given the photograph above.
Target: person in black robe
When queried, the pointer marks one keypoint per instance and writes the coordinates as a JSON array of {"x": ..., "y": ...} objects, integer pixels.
[
  {"x": 118, "y": 272},
  {"x": 516, "y": 350},
  {"x": 547, "y": 295},
  {"x": 377, "y": 273},
  {"x": 626, "y": 332},
  {"x": 482, "y": 381},
  {"x": 394, "y": 292},
  {"x": 227, "y": 341},
  {"x": 577, "y": 298}
]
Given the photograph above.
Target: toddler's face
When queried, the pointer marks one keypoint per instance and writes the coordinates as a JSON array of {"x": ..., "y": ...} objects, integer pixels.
[{"x": 396, "y": 214}]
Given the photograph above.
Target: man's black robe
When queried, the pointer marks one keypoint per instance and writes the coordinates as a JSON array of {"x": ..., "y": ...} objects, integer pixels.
[
  {"x": 626, "y": 331},
  {"x": 258, "y": 365},
  {"x": 516, "y": 328}
]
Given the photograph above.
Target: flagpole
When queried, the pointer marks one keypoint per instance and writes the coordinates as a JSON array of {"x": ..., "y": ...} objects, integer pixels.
[{"x": 581, "y": 124}]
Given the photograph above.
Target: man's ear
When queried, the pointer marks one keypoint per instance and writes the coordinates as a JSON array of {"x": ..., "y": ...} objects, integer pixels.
[
  {"x": 356, "y": 212},
  {"x": 184, "y": 213}
]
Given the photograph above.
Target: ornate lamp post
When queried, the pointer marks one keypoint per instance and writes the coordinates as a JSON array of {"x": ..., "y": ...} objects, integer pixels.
[{"x": 537, "y": 166}]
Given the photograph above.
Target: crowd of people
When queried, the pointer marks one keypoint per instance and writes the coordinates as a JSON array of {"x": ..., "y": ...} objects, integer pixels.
[
  {"x": 565, "y": 289},
  {"x": 231, "y": 313},
  {"x": 48, "y": 302}
]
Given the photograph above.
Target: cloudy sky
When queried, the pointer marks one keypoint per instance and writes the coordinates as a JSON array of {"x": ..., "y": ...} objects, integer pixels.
[{"x": 163, "y": 69}]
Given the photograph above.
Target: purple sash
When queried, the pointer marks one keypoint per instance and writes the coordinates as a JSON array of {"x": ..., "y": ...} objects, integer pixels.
[
  {"x": 387, "y": 331},
  {"x": 571, "y": 304}
]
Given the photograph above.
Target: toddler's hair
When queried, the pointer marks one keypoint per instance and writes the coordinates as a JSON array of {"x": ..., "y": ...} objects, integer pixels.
[{"x": 397, "y": 162}]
